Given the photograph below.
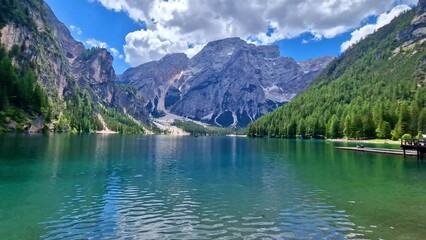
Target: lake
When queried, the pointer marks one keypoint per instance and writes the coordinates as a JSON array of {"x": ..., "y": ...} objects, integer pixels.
[{"x": 163, "y": 187}]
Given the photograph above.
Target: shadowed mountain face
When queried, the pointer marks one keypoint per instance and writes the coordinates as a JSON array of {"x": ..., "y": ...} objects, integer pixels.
[{"x": 229, "y": 83}]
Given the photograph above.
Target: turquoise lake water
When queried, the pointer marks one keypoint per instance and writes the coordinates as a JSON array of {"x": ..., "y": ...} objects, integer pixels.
[{"x": 163, "y": 187}]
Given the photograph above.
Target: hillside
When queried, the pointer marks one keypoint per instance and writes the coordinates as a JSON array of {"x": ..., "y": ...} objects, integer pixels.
[
  {"x": 376, "y": 89},
  {"x": 50, "y": 82}
]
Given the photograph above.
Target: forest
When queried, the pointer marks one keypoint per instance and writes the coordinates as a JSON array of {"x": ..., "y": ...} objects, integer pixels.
[{"x": 371, "y": 91}]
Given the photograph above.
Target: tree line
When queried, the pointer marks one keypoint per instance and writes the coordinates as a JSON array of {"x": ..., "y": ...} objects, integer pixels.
[{"x": 197, "y": 129}]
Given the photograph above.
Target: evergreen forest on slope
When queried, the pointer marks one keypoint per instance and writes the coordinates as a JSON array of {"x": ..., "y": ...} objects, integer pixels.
[{"x": 376, "y": 89}]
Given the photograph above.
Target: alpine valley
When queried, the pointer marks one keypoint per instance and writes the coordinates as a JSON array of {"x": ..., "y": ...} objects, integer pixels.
[{"x": 50, "y": 82}]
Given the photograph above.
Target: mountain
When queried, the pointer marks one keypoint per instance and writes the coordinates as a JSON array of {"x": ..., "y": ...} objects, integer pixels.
[
  {"x": 229, "y": 83},
  {"x": 376, "y": 89},
  {"x": 51, "y": 82},
  {"x": 73, "y": 87}
]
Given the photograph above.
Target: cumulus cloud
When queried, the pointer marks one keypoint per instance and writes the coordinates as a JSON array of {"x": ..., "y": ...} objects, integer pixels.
[
  {"x": 173, "y": 25},
  {"x": 382, "y": 20},
  {"x": 91, "y": 42},
  {"x": 76, "y": 30}
]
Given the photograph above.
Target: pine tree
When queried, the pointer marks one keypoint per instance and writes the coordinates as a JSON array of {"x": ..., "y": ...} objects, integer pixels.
[
  {"x": 368, "y": 125},
  {"x": 401, "y": 126},
  {"x": 347, "y": 131},
  {"x": 333, "y": 127},
  {"x": 383, "y": 130},
  {"x": 421, "y": 125},
  {"x": 301, "y": 129},
  {"x": 291, "y": 129}
]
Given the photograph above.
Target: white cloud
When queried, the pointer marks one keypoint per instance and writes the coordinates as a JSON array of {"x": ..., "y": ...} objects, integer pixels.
[
  {"x": 76, "y": 30},
  {"x": 91, "y": 42},
  {"x": 173, "y": 24},
  {"x": 382, "y": 20},
  {"x": 116, "y": 53},
  {"x": 304, "y": 41}
]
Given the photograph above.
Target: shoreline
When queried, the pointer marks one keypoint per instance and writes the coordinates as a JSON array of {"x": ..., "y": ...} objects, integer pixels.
[
  {"x": 235, "y": 135},
  {"x": 371, "y": 141},
  {"x": 106, "y": 132}
]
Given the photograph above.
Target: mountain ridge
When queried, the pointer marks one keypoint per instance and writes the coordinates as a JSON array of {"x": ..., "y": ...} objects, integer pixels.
[{"x": 376, "y": 89}]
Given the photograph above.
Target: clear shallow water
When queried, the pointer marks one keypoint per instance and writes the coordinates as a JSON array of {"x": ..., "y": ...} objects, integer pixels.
[{"x": 120, "y": 187}]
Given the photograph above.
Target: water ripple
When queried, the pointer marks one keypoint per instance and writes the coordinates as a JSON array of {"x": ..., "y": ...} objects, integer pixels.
[
  {"x": 124, "y": 213},
  {"x": 169, "y": 205}
]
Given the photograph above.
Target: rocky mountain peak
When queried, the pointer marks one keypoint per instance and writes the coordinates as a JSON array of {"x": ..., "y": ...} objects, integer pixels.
[
  {"x": 94, "y": 66},
  {"x": 226, "y": 42},
  {"x": 221, "y": 47},
  {"x": 229, "y": 83},
  {"x": 421, "y": 7},
  {"x": 174, "y": 58},
  {"x": 218, "y": 52},
  {"x": 417, "y": 30},
  {"x": 173, "y": 62},
  {"x": 224, "y": 48}
]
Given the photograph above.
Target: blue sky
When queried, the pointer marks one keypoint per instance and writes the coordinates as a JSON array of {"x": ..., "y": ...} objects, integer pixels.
[
  {"x": 297, "y": 49},
  {"x": 107, "y": 23}
]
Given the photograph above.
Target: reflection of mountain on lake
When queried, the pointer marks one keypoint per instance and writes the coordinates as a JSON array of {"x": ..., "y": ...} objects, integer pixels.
[{"x": 65, "y": 186}]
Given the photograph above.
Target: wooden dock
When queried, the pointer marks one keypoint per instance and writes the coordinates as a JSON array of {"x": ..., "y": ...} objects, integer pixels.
[
  {"x": 380, "y": 150},
  {"x": 410, "y": 148},
  {"x": 419, "y": 146}
]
